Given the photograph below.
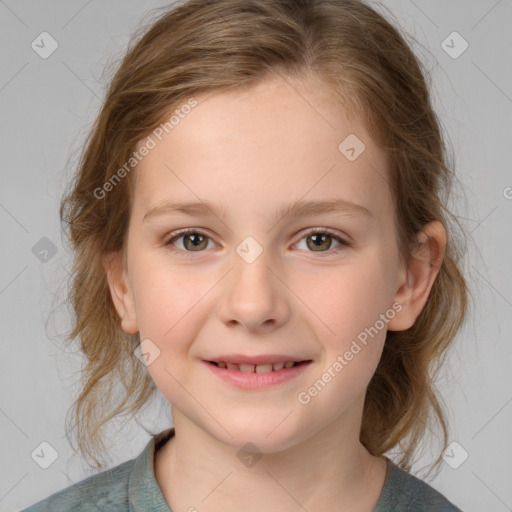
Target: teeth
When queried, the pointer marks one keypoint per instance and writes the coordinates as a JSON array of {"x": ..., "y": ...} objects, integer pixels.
[
  {"x": 263, "y": 368},
  {"x": 256, "y": 368}
]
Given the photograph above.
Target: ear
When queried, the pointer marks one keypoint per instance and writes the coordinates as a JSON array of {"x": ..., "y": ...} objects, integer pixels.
[
  {"x": 418, "y": 275},
  {"x": 121, "y": 291}
]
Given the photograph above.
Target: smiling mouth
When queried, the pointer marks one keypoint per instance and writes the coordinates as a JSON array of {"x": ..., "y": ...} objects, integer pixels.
[{"x": 258, "y": 368}]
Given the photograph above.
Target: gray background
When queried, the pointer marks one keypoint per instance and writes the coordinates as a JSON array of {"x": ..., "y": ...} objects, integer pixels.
[{"x": 47, "y": 107}]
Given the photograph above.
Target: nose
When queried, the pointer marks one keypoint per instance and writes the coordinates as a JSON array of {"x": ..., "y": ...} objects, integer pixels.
[{"x": 254, "y": 296}]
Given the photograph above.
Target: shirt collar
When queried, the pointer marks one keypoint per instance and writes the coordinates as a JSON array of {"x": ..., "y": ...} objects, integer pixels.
[{"x": 144, "y": 492}]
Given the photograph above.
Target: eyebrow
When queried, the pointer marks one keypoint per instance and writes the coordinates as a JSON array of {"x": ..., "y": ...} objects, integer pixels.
[{"x": 298, "y": 208}]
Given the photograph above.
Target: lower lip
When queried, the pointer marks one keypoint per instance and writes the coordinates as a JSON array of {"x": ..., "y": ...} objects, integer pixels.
[{"x": 257, "y": 380}]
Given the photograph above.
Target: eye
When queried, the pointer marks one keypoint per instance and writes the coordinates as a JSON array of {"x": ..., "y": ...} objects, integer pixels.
[
  {"x": 193, "y": 241},
  {"x": 318, "y": 239}
]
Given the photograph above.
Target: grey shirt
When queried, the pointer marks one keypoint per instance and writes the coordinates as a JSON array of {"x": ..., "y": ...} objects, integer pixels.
[{"x": 132, "y": 487}]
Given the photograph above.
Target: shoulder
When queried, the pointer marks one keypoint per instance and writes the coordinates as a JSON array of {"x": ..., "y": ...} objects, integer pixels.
[
  {"x": 128, "y": 486},
  {"x": 105, "y": 491},
  {"x": 404, "y": 492}
]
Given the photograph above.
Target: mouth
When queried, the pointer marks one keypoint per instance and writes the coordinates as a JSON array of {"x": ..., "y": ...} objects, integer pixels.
[
  {"x": 257, "y": 373},
  {"x": 258, "y": 368}
]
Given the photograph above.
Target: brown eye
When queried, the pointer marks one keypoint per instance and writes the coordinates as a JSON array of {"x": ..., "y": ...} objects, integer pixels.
[
  {"x": 321, "y": 241},
  {"x": 193, "y": 241}
]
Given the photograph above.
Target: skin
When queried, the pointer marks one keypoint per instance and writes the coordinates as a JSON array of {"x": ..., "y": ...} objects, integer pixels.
[{"x": 252, "y": 151}]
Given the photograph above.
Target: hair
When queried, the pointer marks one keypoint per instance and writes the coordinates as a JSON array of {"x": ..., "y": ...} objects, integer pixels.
[{"x": 212, "y": 45}]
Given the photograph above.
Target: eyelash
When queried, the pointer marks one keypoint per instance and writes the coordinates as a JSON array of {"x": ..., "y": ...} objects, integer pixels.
[{"x": 314, "y": 231}]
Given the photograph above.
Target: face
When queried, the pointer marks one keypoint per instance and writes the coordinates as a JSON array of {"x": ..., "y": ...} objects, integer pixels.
[{"x": 256, "y": 278}]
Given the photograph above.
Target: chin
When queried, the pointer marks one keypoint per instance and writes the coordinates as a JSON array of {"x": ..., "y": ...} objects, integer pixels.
[{"x": 266, "y": 437}]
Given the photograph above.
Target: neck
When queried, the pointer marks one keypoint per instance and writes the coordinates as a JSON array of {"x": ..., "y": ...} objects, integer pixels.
[{"x": 329, "y": 469}]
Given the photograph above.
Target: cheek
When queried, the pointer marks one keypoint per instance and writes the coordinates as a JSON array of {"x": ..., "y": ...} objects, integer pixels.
[
  {"x": 167, "y": 298},
  {"x": 347, "y": 299},
  {"x": 170, "y": 313},
  {"x": 172, "y": 305},
  {"x": 353, "y": 309}
]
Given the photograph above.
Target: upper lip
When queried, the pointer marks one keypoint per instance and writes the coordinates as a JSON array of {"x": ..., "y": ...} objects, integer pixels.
[{"x": 256, "y": 360}]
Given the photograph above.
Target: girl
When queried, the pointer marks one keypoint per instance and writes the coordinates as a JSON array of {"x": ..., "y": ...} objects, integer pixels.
[{"x": 259, "y": 234}]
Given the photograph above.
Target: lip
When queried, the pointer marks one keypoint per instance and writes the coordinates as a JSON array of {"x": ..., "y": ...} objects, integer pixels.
[
  {"x": 258, "y": 381},
  {"x": 259, "y": 359}
]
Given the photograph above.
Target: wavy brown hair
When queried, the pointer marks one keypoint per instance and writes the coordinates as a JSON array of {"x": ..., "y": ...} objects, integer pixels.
[{"x": 213, "y": 45}]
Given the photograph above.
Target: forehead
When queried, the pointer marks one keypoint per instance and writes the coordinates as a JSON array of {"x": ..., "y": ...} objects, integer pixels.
[{"x": 280, "y": 140}]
